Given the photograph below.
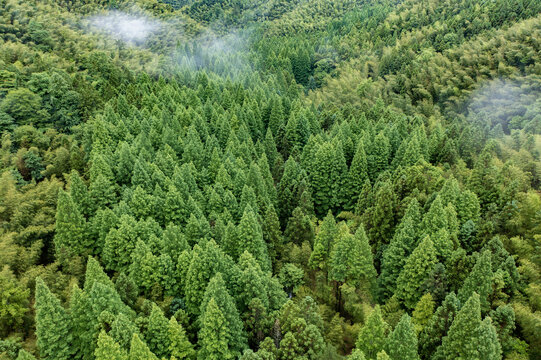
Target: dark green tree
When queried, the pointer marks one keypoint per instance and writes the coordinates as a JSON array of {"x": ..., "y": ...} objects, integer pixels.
[
  {"x": 53, "y": 325},
  {"x": 416, "y": 270}
]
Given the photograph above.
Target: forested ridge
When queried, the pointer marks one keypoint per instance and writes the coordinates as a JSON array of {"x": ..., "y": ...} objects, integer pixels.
[{"x": 270, "y": 180}]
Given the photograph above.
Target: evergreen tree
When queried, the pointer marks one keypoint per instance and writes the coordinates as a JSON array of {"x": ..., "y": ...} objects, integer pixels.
[
  {"x": 216, "y": 290},
  {"x": 324, "y": 242},
  {"x": 416, "y": 270},
  {"x": 351, "y": 259},
  {"x": 357, "y": 175},
  {"x": 480, "y": 281},
  {"x": 468, "y": 336},
  {"x": 157, "y": 333},
  {"x": 94, "y": 273},
  {"x": 122, "y": 330},
  {"x": 180, "y": 347},
  {"x": 327, "y": 176},
  {"x": 252, "y": 281},
  {"x": 373, "y": 334},
  {"x": 53, "y": 325},
  {"x": 139, "y": 350},
  {"x": 378, "y": 152},
  {"x": 107, "y": 349},
  {"x": 402, "y": 342},
  {"x": 382, "y": 215},
  {"x": 84, "y": 324},
  {"x": 423, "y": 312},
  {"x": 119, "y": 244},
  {"x": 272, "y": 233},
  {"x": 489, "y": 345},
  {"x": 70, "y": 232},
  {"x": 144, "y": 269},
  {"x": 213, "y": 334},
  {"x": 251, "y": 239},
  {"x": 438, "y": 325},
  {"x": 396, "y": 254}
]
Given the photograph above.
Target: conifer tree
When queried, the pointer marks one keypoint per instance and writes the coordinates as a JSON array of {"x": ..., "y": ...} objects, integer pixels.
[
  {"x": 94, "y": 273},
  {"x": 179, "y": 347},
  {"x": 251, "y": 239},
  {"x": 357, "y": 175},
  {"x": 402, "y": 342},
  {"x": 216, "y": 290},
  {"x": 213, "y": 334},
  {"x": 70, "y": 232},
  {"x": 395, "y": 255},
  {"x": 156, "y": 334},
  {"x": 416, "y": 270},
  {"x": 423, "y": 312},
  {"x": 373, "y": 334},
  {"x": 276, "y": 119},
  {"x": 323, "y": 243},
  {"x": 107, "y": 349},
  {"x": 252, "y": 281},
  {"x": 489, "y": 344},
  {"x": 382, "y": 215},
  {"x": 479, "y": 281},
  {"x": 119, "y": 244},
  {"x": 378, "y": 153},
  {"x": 438, "y": 326},
  {"x": 271, "y": 233},
  {"x": 139, "y": 350},
  {"x": 351, "y": 259},
  {"x": 144, "y": 269},
  {"x": 467, "y": 335},
  {"x": 365, "y": 200},
  {"x": 122, "y": 330},
  {"x": 53, "y": 325},
  {"x": 84, "y": 323},
  {"x": 79, "y": 193}
]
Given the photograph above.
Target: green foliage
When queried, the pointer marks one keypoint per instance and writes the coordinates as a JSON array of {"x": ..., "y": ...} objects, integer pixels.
[
  {"x": 416, "y": 270},
  {"x": 351, "y": 259},
  {"x": 345, "y": 155},
  {"x": 402, "y": 342},
  {"x": 14, "y": 300},
  {"x": 479, "y": 281},
  {"x": 469, "y": 337},
  {"x": 23, "y": 106},
  {"x": 180, "y": 347},
  {"x": 53, "y": 325},
  {"x": 139, "y": 350},
  {"x": 70, "y": 227},
  {"x": 373, "y": 335},
  {"x": 236, "y": 338},
  {"x": 108, "y": 349},
  {"x": 214, "y": 333}
]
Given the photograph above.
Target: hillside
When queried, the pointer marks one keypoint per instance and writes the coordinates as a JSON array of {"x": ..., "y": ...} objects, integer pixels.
[{"x": 270, "y": 180}]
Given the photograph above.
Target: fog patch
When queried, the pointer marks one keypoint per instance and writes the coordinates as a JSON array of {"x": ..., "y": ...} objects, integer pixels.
[
  {"x": 130, "y": 28},
  {"x": 226, "y": 55},
  {"x": 504, "y": 102}
]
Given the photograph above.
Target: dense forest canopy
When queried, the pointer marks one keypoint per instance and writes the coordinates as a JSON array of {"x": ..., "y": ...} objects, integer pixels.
[{"x": 270, "y": 180}]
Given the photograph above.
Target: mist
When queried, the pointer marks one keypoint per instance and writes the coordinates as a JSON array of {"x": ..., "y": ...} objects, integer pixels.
[
  {"x": 130, "y": 28},
  {"x": 504, "y": 101},
  {"x": 226, "y": 55}
]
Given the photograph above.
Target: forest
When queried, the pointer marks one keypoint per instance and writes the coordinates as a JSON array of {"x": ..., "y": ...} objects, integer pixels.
[{"x": 270, "y": 180}]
